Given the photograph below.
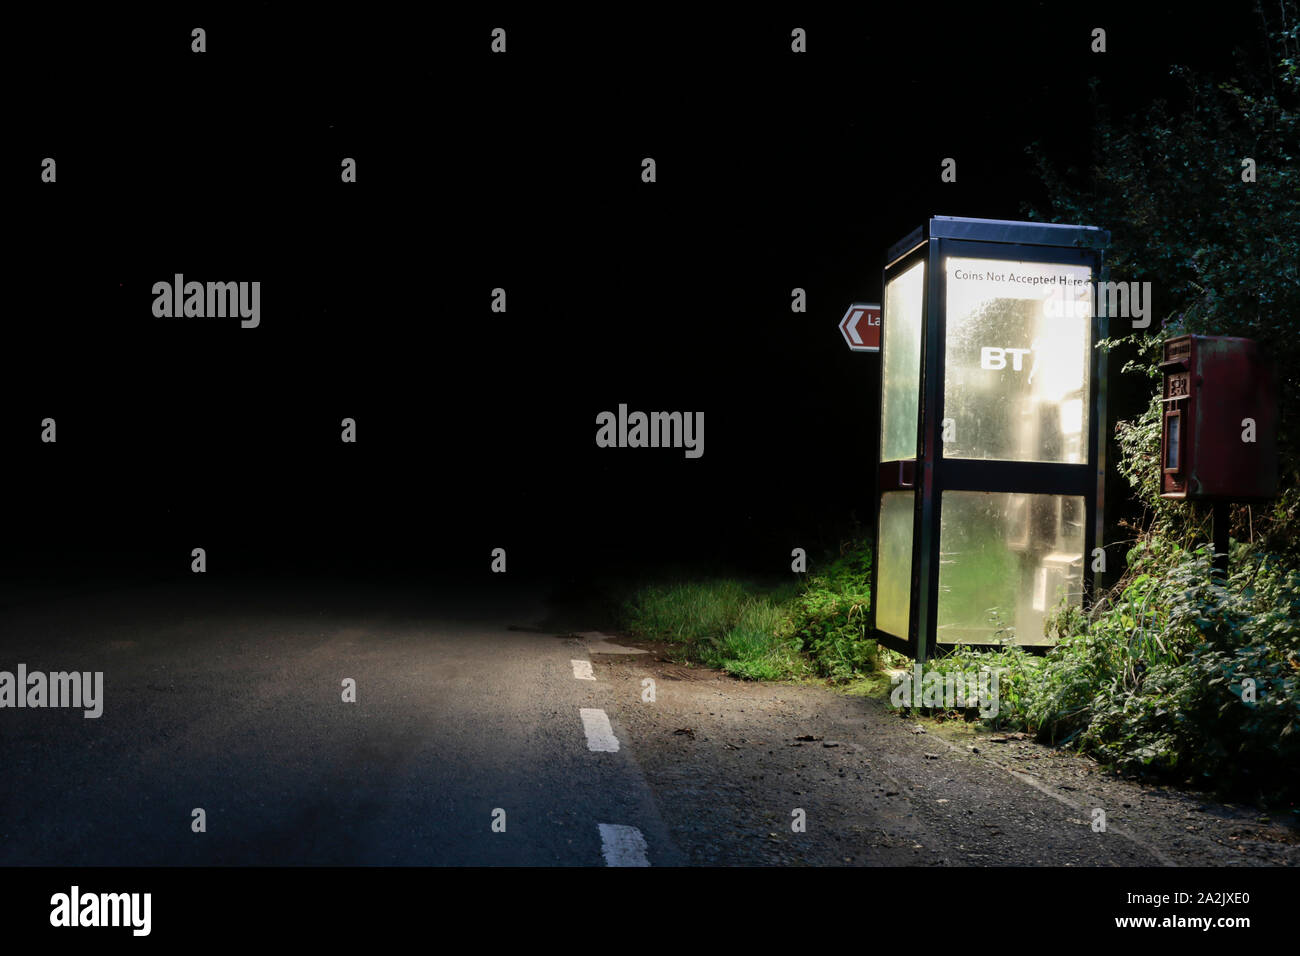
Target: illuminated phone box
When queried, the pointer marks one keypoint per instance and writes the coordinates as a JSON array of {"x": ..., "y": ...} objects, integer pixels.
[{"x": 991, "y": 403}]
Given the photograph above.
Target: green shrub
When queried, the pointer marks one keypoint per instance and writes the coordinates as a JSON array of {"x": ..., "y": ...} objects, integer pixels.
[
  {"x": 1017, "y": 672},
  {"x": 1153, "y": 683},
  {"x": 1185, "y": 712},
  {"x": 1222, "y": 253},
  {"x": 829, "y": 616}
]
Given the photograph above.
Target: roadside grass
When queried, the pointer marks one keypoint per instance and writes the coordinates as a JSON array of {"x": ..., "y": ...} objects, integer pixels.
[
  {"x": 796, "y": 629},
  {"x": 687, "y": 612},
  {"x": 735, "y": 625},
  {"x": 760, "y": 645},
  {"x": 1176, "y": 674}
]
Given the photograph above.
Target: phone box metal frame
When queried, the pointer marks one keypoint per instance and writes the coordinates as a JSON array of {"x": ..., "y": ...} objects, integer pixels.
[{"x": 929, "y": 474}]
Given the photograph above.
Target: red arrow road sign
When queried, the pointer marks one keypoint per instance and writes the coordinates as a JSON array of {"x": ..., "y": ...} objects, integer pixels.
[{"x": 861, "y": 327}]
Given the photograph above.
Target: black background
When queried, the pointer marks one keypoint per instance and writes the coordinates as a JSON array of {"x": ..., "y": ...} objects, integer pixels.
[{"x": 476, "y": 171}]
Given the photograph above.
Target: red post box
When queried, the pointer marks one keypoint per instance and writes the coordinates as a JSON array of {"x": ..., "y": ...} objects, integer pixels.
[{"x": 1219, "y": 439}]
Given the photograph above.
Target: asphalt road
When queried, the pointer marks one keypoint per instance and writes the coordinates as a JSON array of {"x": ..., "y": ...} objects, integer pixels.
[{"x": 229, "y": 699}]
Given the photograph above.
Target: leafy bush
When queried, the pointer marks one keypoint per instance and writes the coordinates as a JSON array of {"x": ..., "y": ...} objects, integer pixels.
[
  {"x": 1017, "y": 672},
  {"x": 1156, "y": 682},
  {"x": 1157, "y": 677},
  {"x": 1222, "y": 253},
  {"x": 1188, "y": 712},
  {"x": 829, "y": 617}
]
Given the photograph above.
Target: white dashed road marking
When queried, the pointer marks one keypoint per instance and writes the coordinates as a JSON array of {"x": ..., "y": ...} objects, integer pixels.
[
  {"x": 582, "y": 670},
  {"x": 600, "y": 735},
  {"x": 622, "y": 846}
]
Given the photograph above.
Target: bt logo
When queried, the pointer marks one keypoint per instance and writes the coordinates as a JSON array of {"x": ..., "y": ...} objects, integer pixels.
[{"x": 993, "y": 358}]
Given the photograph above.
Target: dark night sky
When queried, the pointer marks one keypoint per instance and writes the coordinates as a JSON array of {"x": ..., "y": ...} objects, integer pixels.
[{"x": 476, "y": 171}]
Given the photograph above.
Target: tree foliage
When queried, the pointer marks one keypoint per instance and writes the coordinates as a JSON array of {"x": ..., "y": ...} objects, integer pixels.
[{"x": 1222, "y": 253}]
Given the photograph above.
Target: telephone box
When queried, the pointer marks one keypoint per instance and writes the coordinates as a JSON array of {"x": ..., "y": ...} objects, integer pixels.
[
  {"x": 992, "y": 400},
  {"x": 1219, "y": 435}
]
